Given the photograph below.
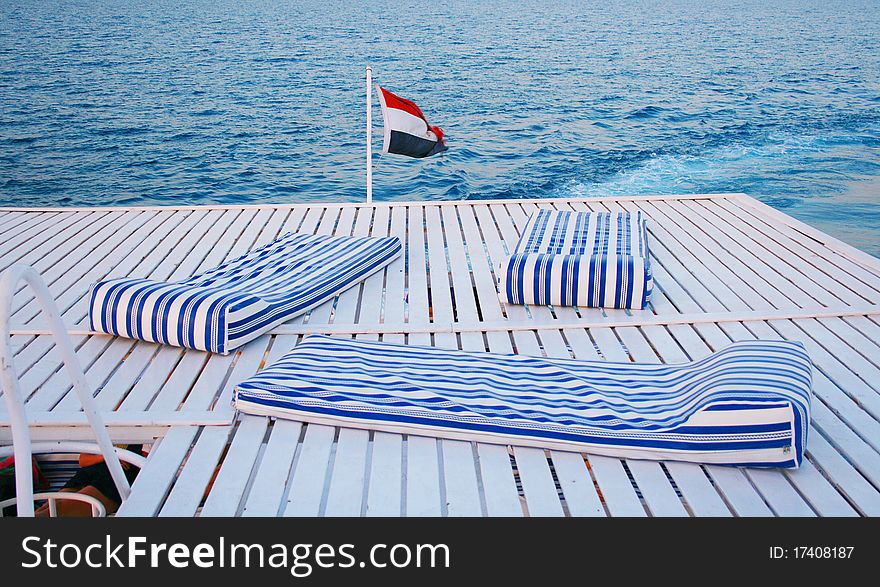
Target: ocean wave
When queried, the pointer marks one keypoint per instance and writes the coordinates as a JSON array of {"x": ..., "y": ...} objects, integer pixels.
[{"x": 781, "y": 163}]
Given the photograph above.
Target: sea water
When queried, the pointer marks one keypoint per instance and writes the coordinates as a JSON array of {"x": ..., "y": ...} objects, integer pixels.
[{"x": 244, "y": 101}]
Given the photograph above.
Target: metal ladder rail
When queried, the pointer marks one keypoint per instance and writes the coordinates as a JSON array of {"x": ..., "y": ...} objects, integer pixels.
[{"x": 21, "y": 439}]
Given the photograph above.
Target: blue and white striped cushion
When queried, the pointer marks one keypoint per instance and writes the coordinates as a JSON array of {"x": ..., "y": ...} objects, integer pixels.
[
  {"x": 592, "y": 259},
  {"x": 748, "y": 404},
  {"x": 225, "y": 307}
]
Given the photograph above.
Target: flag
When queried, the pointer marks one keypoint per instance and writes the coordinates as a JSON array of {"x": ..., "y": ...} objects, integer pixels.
[{"x": 407, "y": 131}]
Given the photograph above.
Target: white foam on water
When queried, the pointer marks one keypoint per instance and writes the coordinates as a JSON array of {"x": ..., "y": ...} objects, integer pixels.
[{"x": 735, "y": 167}]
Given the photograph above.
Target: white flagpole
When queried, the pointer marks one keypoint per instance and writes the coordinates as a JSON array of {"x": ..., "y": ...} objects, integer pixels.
[{"x": 369, "y": 135}]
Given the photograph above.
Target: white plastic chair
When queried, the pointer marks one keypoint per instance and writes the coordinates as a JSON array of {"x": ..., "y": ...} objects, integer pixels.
[{"x": 22, "y": 447}]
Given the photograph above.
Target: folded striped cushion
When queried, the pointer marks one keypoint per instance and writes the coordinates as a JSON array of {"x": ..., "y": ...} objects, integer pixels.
[
  {"x": 229, "y": 305},
  {"x": 747, "y": 404},
  {"x": 592, "y": 259}
]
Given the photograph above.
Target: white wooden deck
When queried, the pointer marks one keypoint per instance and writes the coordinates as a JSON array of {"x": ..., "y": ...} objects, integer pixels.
[{"x": 726, "y": 268}]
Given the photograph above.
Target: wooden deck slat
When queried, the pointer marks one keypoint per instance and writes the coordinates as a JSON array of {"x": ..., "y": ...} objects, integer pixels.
[
  {"x": 235, "y": 472},
  {"x": 203, "y": 233},
  {"x": 855, "y": 262},
  {"x": 542, "y": 499},
  {"x": 460, "y": 477},
  {"x": 171, "y": 370},
  {"x": 346, "y": 489},
  {"x": 739, "y": 492},
  {"x": 385, "y": 494},
  {"x": 461, "y": 484},
  {"x": 62, "y": 260},
  {"x": 73, "y": 264},
  {"x": 23, "y": 221},
  {"x": 35, "y": 236},
  {"x": 422, "y": 477},
  {"x": 819, "y": 493},
  {"x": 617, "y": 490},
  {"x": 271, "y": 479},
  {"x": 822, "y": 281},
  {"x": 577, "y": 486},
  {"x": 114, "y": 252},
  {"x": 847, "y": 479},
  {"x": 309, "y": 483},
  {"x": 394, "y": 308},
  {"x": 499, "y": 485},
  {"x": 779, "y": 494},
  {"x": 700, "y": 496},
  {"x": 773, "y": 272},
  {"x": 189, "y": 488},
  {"x": 728, "y": 260},
  {"x": 831, "y": 273},
  {"x": 149, "y": 489},
  {"x": 723, "y": 284},
  {"x": 860, "y": 403}
]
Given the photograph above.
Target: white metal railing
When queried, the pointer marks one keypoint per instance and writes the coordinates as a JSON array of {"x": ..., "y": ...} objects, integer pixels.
[
  {"x": 21, "y": 439},
  {"x": 98, "y": 509}
]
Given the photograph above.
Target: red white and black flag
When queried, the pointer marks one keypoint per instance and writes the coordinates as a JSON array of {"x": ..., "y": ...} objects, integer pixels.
[{"x": 407, "y": 131}]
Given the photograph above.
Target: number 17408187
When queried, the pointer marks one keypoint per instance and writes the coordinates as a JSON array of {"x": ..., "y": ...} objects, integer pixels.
[{"x": 810, "y": 552}]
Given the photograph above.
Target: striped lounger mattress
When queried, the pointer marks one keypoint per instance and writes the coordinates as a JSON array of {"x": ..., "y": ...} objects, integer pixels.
[
  {"x": 225, "y": 307},
  {"x": 747, "y": 404},
  {"x": 588, "y": 259}
]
